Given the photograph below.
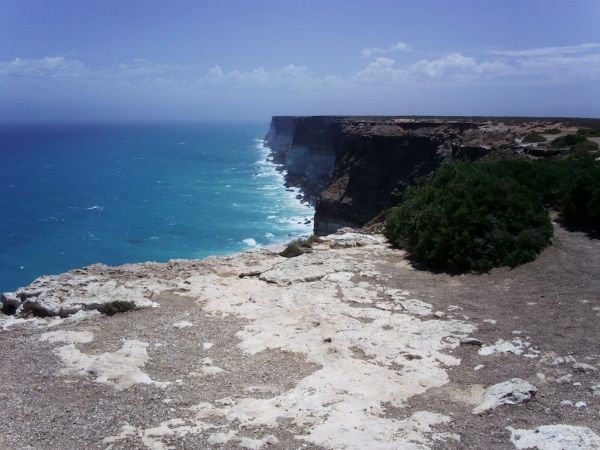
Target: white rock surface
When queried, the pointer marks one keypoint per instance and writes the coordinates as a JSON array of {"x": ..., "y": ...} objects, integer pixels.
[
  {"x": 565, "y": 379},
  {"x": 372, "y": 348},
  {"x": 511, "y": 392},
  {"x": 555, "y": 437},
  {"x": 121, "y": 369},
  {"x": 584, "y": 367},
  {"x": 66, "y": 294},
  {"x": 501, "y": 346}
]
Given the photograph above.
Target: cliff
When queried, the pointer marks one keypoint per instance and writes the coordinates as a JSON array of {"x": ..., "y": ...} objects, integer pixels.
[
  {"x": 303, "y": 146},
  {"x": 352, "y": 168}
]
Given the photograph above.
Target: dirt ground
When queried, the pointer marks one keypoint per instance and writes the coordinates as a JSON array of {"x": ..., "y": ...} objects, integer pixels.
[{"x": 313, "y": 352}]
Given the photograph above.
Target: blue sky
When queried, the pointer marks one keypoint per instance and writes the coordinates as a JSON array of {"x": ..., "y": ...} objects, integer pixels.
[{"x": 214, "y": 60}]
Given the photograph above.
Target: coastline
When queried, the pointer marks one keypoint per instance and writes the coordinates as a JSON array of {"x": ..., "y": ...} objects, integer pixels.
[
  {"x": 346, "y": 346},
  {"x": 133, "y": 193}
]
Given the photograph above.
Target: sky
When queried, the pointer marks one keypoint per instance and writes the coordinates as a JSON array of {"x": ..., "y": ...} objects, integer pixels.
[{"x": 144, "y": 60}]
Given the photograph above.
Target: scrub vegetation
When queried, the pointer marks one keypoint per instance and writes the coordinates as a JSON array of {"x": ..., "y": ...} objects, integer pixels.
[{"x": 476, "y": 216}]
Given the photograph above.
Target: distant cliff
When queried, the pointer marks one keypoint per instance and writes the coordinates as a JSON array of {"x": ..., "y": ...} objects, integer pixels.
[
  {"x": 303, "y": 146},
  {"x": 352, "y": 168}
]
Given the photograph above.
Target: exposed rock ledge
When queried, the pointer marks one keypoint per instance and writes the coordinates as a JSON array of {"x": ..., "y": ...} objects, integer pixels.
[{"x": 344, "y": 347}]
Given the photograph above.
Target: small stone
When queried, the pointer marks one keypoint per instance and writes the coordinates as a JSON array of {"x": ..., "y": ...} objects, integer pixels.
[
  {"x": 583, "y": 367},
  {"x": 439, "y": 314},
  {"x": 226, "y": 401},
  {"x": 561, "y": 360},
  {"x": 471, "y": 341},
  {"x": 478, "y": 367},
  {"x": 510, "y": 392},
  {"x": 596, "y": 390},
  {"x": 271, "y": 440},
  {"x": 580, "y": 405},
  {"x": 577, "y": 384},
  {"x": 565, "y": 379},
  {"x": 566, "y": 403}
]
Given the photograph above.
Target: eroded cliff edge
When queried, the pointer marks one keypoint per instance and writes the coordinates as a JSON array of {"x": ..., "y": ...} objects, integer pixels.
[{"x": 352, "y": 168}]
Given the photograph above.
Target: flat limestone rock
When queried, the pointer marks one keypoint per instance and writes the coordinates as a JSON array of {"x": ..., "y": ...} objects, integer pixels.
[
  {"x": 555, "y": 437},
  {"x": 66, "y": 294},
  {"x": 511, "y": 392},
  {"x": 349, "y": 239}
]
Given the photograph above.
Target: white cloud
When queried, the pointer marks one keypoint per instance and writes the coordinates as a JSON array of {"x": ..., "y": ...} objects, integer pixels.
[
  {"x": 547, "y": 51},
  {"x": 49, "y": 66},
  {"x": 397, "y": 47},
  {"x": 289, "y": 77},
  {"x": 448, "y": 67},
  {"x": 563, "y": 64}
]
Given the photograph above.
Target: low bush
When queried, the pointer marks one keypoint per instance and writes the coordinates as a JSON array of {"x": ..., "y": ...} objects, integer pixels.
[
  {"x": 589, "y": 132},
  {"x": 300, "y": 246},
  {"x": 584, "y": 147},
  {"x": 542, "y": 176},
  {"x": 470, "y": 216},
  {"x": 117, "y": 306},
  {"x": 580, "y": 200},
  {"x": 554, "y": 130},
  {"x": 568, "y": 140},
  {"x": 533, "y": 137}
]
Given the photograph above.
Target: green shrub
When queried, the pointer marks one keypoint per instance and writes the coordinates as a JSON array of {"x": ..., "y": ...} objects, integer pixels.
[
  {"x": 554, "y": 130},
  {"x": 580, "y": 200},
  {"x": 117, "y": 306},
  {"x": 470, "y": 217},
  {"x": 568, "y": 140},
  {"x": 584, "y": 147},
  {"x": 299, "y": 246},
  {"x": 543, "y": 176},
  {"x": 588, "y": 132},
  {"x": 533, "y": 137}
]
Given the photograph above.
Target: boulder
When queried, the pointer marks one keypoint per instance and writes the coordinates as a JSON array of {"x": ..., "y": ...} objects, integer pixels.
[{"x": 10, "y": 302}]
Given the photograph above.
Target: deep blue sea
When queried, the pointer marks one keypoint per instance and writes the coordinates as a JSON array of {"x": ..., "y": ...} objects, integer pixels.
[{"x": 73, "y": 195}]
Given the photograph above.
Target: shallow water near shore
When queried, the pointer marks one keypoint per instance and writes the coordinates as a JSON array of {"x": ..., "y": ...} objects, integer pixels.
[{"x": 73, "y": 195}]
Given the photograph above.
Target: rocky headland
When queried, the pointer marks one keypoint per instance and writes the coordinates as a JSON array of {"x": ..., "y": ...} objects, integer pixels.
[
  {"x": 352, "y": 168},
  {"x": 346, "y": 346}
]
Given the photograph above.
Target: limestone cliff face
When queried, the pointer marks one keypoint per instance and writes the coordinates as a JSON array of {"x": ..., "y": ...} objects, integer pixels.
[
  {"x": 370, "y": 174},
  {"x": 352, "y": 168},
  {"x": 304, "y": 148}
]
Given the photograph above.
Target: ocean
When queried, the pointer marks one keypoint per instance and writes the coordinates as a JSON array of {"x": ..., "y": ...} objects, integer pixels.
[{"x": 73, "y": 195}]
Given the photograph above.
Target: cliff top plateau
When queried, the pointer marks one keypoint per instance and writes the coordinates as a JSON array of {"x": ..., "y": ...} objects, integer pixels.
[{"x": 346, "y": 346}]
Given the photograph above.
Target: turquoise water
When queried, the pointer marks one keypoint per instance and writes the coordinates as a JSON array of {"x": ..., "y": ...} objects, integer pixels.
[{"x": 73, "y": 195}]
